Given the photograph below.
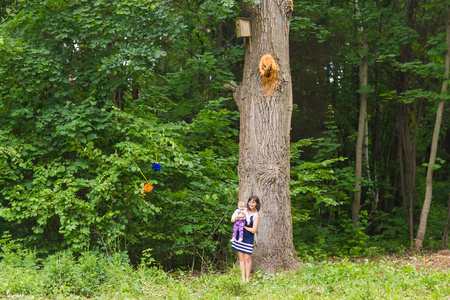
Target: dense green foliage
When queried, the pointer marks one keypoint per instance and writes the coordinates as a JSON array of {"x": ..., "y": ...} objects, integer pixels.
[
  {"x": 71, "y": 128},
  {"x": 92, "y": 93}
]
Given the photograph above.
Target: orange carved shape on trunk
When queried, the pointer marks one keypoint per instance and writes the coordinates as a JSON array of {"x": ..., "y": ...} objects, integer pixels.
[{"x": 268, "y": 68}]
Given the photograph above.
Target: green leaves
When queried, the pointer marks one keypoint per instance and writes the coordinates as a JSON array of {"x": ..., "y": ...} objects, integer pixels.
[
  {"x": 90, "y": 88},
  {"x": 308, "y": 22},
  {"x": 10, "y": 160}
]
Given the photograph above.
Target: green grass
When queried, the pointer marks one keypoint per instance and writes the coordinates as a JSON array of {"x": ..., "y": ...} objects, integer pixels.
[{"x": 96, "y": 276}]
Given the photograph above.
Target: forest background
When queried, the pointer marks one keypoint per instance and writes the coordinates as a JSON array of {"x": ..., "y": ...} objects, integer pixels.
[{"x": 93, "y": 93}]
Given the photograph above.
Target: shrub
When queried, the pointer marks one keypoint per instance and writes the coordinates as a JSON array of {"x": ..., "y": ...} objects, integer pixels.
[{"x": 83, "y": 276}]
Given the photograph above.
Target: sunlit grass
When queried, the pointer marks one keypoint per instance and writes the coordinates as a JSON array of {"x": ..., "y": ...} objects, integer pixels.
[{"x": 100, "y": 277}]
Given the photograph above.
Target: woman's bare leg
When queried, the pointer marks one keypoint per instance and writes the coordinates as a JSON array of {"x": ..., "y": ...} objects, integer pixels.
[
  {"x": 248, "y": 266},
  {"x": 242, "y": 264}
]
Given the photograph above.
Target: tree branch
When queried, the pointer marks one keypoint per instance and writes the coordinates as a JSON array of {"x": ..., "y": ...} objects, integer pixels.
[{"x": 232, "y": 86}]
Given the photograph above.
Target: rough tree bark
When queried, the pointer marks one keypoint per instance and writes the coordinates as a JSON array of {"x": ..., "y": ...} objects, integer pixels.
[
  {"x": 437, "y": 126},
  {"x": 265, "y": 104}
]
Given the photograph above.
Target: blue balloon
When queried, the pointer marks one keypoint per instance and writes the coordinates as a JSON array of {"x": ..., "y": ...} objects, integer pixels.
[{"x": 156, "y": 167}]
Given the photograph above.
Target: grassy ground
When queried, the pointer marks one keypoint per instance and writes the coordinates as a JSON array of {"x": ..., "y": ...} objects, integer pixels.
[{"x": 93, "y": 276}]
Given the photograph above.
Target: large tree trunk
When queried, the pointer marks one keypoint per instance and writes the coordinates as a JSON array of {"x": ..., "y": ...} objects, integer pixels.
[
  {"x": 437, "y": 126},
  {"x": 265, "y": 104}
]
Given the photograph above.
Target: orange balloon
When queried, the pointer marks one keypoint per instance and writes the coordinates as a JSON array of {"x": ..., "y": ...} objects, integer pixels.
[{"x": 147, "y": 188}]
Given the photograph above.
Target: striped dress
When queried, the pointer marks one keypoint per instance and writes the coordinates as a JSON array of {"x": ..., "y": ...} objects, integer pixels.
[{"x": 246, "y": 246}]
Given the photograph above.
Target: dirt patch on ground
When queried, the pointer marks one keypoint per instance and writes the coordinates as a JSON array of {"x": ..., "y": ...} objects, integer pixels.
[{"x": 439, "y": 260}]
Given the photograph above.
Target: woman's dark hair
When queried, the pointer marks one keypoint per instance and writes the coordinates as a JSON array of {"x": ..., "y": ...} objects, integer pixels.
[{"x": 258, "y": 203}]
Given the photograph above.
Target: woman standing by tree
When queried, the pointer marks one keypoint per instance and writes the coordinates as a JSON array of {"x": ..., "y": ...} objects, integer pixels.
[{"x": 245, "y": 248}]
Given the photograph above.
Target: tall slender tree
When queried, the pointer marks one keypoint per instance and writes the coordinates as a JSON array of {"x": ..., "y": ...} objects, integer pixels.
[
  {"x": 363, "y": 71},
  {"x": 407, "y": 127},
  {"x": 437, "y": 126}
]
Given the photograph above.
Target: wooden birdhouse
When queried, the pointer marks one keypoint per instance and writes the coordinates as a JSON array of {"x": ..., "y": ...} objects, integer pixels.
[{"x": 243, "y": 27}]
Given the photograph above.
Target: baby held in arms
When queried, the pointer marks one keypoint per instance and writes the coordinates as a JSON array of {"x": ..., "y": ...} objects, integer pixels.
[{"x": 238, "y": 229}]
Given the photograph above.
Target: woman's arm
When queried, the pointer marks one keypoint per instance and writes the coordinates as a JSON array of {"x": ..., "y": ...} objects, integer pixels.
[{"x": 255, "y": 225}]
